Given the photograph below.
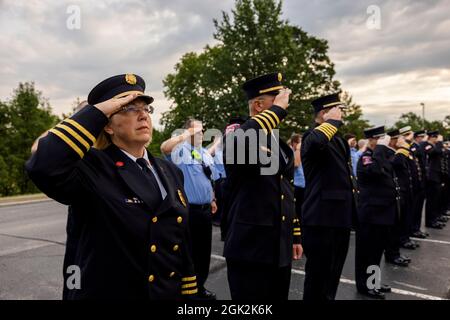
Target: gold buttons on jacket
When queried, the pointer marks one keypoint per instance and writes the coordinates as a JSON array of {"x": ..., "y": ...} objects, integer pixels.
[
  {"x": 283, "y": 218},
  {"x": 151, "y": 278},
  {"x": 171, "y": 274},
  {"x": 175, "y": 247},
  {"x": 179, "y": 219},
  {"x": 282, "y": 197},
  {"x": 154, "y": 219},
  {"x": 281, "y": 177},
  {"x": 153, "y": 248}
]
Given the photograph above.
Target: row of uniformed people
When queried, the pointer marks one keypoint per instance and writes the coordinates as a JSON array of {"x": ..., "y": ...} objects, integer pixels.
[
  {"x": 392, "y": 181},
  {"x": 137, "y": 214}
]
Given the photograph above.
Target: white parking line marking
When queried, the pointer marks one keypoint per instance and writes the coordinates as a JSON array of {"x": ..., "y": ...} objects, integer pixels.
[
  {"x": 410, "y": 286},
  {"x": 348, "y": 281},
  {"x": 431, "y": 240}
]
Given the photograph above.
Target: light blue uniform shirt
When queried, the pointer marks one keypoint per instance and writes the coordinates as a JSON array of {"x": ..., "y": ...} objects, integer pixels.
[
  {"x": 197, "y": 186},
  {"x": 218, "y": 163},
  {"x": 299, "y": 177},
  {"x": 355, "y": 154}
]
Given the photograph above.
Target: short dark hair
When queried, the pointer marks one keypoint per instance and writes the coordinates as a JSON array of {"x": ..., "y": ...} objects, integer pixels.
[
  {"x": 189, "y": 122},
  {"x": 348, "y": 136},
  {"x": 295, "y": 138}
]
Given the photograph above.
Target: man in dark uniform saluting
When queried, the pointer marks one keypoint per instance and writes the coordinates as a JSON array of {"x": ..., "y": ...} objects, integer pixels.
[
  {"x": 377, "y": 209},
  {"x": 262, "y": 234},
  {"x": 419, "y": 185},
  {"x": 392, "y": 253},
  {"x": 329, "y": 206}
]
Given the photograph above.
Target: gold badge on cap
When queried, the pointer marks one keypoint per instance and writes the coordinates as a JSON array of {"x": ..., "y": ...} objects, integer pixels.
[
  {"x": 180, "y": 195},
  {"x": 130, "y": 78},
  {"x": 280, "y": 77}
]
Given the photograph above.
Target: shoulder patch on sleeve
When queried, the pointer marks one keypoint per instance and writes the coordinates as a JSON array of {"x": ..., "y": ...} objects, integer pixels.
[
  {"x": 366, "y": 160},
  {"x": 231, "y": 128}
]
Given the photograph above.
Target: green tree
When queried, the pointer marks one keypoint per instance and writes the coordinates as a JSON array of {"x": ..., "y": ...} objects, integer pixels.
[
  {"x": 23, "y": 119},
  {"x": 254, "y": 41},
  {"x": 352, "y": 117},
  {"x": 417, "y": 123}
]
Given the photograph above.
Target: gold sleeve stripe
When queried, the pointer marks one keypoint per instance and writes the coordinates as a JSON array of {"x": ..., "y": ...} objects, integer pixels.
[
  {"x": 189, "y": 285},
  {"x": 329, "y": 126},
  {"x": 261, "y": 124},
  {"x": 68, "y": 141},
  {"x": 265, "y": 115},
  {"x": 82, "y": 129},
  {"x": 189, "y": 291},
  {"x": 324, "y": 132},
  {"x": 403, "y": 152},
  {"x": 330, "y": 131},
  {"x": 264, "y": 120},
  {"x": 274, "y": 115},
  {"x": 296, "y": 229},
  {"x": 271, "y": 89},
  {"x": 189, "y": 278},
  {"x": 75, "y": 135},
  {"x": 297, "y": 234}
]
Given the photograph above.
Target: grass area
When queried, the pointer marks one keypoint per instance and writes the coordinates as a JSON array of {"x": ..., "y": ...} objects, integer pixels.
[{"x": 25, "y": 197}]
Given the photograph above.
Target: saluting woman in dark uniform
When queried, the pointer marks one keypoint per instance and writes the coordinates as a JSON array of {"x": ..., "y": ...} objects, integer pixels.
[{"x": 130, "y": 207}]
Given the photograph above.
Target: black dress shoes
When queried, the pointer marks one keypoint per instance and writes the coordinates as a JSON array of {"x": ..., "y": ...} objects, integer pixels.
[
  {"x": 206, "y": 295},
  {"x": 406, "y": 258},
  {"x": 398, "y": 261},
  {"x": 374, "y": 294},
  {"x": 419, "y": 234},
  {"x": 436, "y": 225},
  {"x": 409, "y": 245},
  {"x": 385, "y": 288}
]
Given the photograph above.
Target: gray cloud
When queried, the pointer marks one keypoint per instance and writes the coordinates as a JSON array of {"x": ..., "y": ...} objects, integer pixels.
[{"x": 403, "y": 62}]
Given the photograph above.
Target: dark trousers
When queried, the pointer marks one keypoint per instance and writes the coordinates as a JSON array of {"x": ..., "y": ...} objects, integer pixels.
[
  {"x": 299, "y": 194},
  {"x": 444, "y": 199},
  {"x": 418, "y": 201},
  {"x": 200, "y": 227},
  {"x": 219, "y": 200},
  {"x": 406, "y": 220},
  {"x": 258, "y": 281},
  {"x": 325, "y": 249},
  {"x": 432, "y": 206},
  {"x": 393, "y": 241},
  {"x": 371, "y": 241}
]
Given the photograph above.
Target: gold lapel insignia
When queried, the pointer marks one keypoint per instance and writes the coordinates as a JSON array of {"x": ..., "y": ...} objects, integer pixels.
[{"x": 180, "y": 195}]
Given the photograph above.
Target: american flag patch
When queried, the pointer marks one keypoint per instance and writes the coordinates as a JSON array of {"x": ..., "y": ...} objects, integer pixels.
[
  {"x": 366, "y": 160},
  {"x": 232, "y": 127}
]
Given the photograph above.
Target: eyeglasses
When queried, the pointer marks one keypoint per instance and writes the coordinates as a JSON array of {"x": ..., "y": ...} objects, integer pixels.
[{"x": 132, "y": 108}]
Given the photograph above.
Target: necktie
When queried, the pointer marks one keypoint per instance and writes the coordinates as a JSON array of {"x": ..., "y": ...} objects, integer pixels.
[{"x": 143, "y": 163}]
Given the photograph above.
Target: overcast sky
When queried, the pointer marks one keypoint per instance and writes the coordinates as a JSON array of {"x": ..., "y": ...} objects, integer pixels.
[{"x": 389, "y": 65}]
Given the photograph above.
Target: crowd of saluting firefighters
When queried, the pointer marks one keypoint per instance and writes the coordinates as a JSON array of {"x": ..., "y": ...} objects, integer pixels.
[{"x": 140, "y": 227}]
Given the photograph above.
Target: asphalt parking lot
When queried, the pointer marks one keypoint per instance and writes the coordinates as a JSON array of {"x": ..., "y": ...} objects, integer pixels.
[{"x": 32, "y": 244}]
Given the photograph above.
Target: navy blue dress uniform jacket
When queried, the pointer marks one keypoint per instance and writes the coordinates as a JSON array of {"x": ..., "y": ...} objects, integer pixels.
[
  {"x": 379, "y": 193},
  {"x": 132, "y": 244},
  {"x": 331, "y": 191},
  {"x": 433, "y": 161},
  {"x": 402, "y": 163},
  {"x": 260, "y": 217}
]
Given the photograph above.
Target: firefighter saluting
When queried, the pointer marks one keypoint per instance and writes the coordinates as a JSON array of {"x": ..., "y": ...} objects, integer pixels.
[{"x": 134, "y": 240}]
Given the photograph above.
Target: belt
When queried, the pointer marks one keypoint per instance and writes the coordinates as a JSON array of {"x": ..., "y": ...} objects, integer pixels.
[{"x": 205, "y": 206}]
